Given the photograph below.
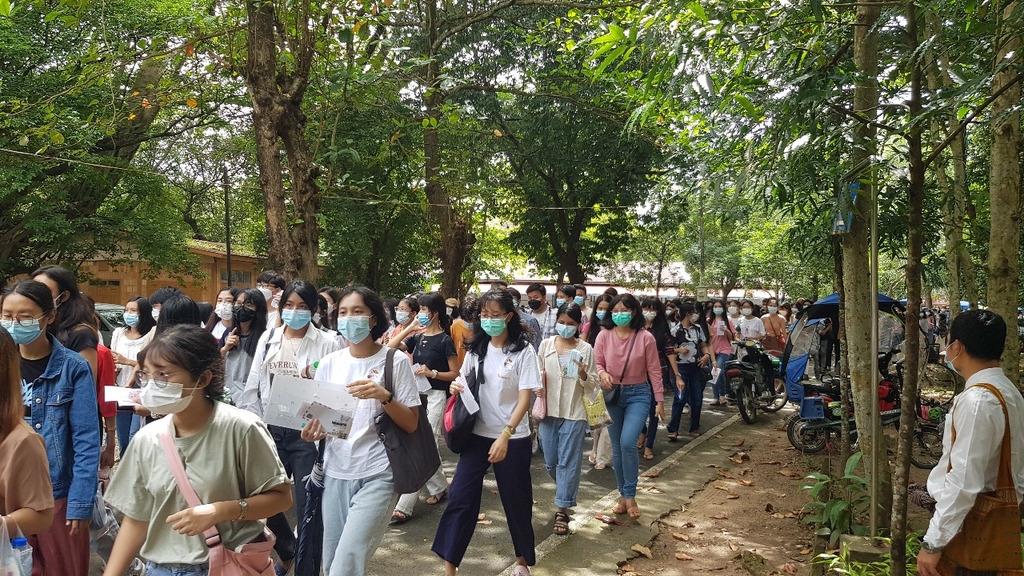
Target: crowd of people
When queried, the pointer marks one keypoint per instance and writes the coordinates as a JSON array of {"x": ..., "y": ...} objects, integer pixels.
[{"x": 204, "y": 381}]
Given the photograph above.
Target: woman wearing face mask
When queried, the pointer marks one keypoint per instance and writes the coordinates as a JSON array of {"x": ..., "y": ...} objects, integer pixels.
[
  {"x": 435, "y": 358},
  {"x": 238, "y": 346},
  {"x": 506, "y": 366},
  {"x": 220, "y": 321},
  {"x": 656, "y": 323},
  {"x": 359, "y": 489},
  {"x": 627, "y": 358},
  {"x": 733, "y": 308},
  {"x": 228, "y": 454},
  {"x": 749, "y": 326},
  {"x": 290, "y": 349},
  {"x": 774, "y": 326},
  {"x": 330, "y": 319},
  {"x": 568, "y": 371},
  {"x": 405, "y": 314},
  {"x": 600, "y": 320},
  {"x": 722, "y": 333},
  {"x": 60, "y": 404},
  {"x": 692, "y": 354},
  {"x": 125, "y": 344}
]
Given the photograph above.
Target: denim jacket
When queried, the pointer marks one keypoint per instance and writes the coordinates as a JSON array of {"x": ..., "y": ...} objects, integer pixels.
[{"x": 65, "y": 412}]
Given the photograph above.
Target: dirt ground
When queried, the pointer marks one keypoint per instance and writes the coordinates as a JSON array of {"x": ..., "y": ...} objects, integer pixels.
[{"x": 747, "y": 520}]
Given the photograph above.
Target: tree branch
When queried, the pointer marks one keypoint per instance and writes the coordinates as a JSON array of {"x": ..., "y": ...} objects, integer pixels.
[
  {"x": 967, "y": 120},
  {"x": 861, "y": 118},
  {"x": 520, "y": 92}
]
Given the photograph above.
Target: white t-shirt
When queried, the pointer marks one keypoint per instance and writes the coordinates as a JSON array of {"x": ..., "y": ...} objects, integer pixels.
[
  {"x": 286, "y": 361},
  {"x": 362, "y": 455},
  {"x": 218, "y": 330},
  {"x": 750, "y": 328},
  {"x": 506, "y": 373}
]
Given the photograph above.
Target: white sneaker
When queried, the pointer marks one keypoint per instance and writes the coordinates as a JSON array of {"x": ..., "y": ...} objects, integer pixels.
[{"x": 521, "y": 570}]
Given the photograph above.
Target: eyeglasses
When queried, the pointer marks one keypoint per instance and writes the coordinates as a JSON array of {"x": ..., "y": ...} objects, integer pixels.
[
  {"x": 158, "y": 380},
  {"x": 25, "y": 321},
  {"x": 490, "y": 317}
]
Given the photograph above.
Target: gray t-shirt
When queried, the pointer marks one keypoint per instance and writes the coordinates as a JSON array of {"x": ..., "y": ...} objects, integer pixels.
[
  {"x": 232, "y": 457},
  {"x": 236, "y": 368}
]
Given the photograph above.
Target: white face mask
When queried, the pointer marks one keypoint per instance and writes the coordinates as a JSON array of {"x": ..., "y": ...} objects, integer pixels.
[
  {"x": 156, "y": 313},
  {"x": 732, "y": 310},
  {"x": 650, "y": 315},
  {"x": 266, "y": 293},
  {"x": 316, "y": 318},
  {"x": 224, "y": 311},
  {"x": 448, "y": 310},
  {"x": 747, "y": 311},
  {"x": 694, "y": 318},
  {"x": 165, "y": 397},
  {"x": 276, "y": 302}
]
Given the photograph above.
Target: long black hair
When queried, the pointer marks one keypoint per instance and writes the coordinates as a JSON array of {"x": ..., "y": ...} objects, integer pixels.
[
  {"x": 305, "y": 290},
  {"x": 146, "y": 322},
  {"x": 517, "y": 333},
  {"x": 630, "y": 302},
  {"x": 213, "y": 318},
  {"x": 572, "y": 310},
  {"x": 597, "y": 324},
  {"x": 258, "y": 325},
  {"x": 433, "y": 302},
  {"x": 659, "y": 326},
  {"x": 35, "y": 291},
  {"x": 73, "y": 313},
  {"x": 178, "y": 310},
  {"x": 191, "y": 348}
]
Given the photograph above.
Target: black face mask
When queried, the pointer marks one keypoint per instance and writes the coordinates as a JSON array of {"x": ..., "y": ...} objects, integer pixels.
[
  {"x": 243, "y": 314},
  {"x": 534, "y": 304}
]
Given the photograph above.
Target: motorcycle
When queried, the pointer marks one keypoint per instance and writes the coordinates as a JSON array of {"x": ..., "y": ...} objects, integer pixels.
[
  {"x": 756, "y": 380},
  {"x": 819, "y": 420}
]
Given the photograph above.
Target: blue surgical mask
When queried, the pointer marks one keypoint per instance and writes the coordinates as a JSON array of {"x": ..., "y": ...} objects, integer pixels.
[
  {"x": 559, "y": 302},
  {"x": 22, "y": 333},
  {"x": 423, "y": 319},
  {"x": 949, "y": 361},
  {"x": 601, "y": 314},
  {"x": 296, "y": 319},
  {"x": 579, "y": 300},
  {"x": 131, "y": 320},
  {"x": 565, "y": 331},
  {"x": 355, "y": 329},
  {"x": 470, "y": 325},
  {"x": 493, "y": 326},
  {"x": 718, "y": 311},
  {"x": 401, "y": 317}
]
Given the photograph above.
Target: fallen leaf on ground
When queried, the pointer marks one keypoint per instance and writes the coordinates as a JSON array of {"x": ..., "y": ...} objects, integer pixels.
[
  {"x": 778, "y": 516},
  {"x": 627, "y": 568},
  {"x": 740, "y": 443},
  {"x": 681, "y": 537},
  {"x": 790, "y": 569},
  {"x": 789, "y": 473},
  {"x": 725, "y": 474},
  {"x": 651, "y": 474},
  {"x": 771, "y": 462},
  {"x": 769, "y": 508},
  {"x": 733, "y": 547},
  {"x": 654, "y": 490},
  {"x": 791, "y": 514},
  {"x": 712, "y": 466},
  {"x": 718, "y": 517},
  {"x": 481, "y": 516},
  {"x": 484, "y": 522},
  {"x": 747, "y": 482},
  {"x": 732, "y": 496},
  {"x": 744, "y": 471},
  {"x": 806, "y": 551},
  {"x": 642, "y": 550},
  {"x": 739, "y": 457},
  {"x": 721, "y": 486},
  {"x": 683, "y": 556},
  {"x": 689, "y": 525}
]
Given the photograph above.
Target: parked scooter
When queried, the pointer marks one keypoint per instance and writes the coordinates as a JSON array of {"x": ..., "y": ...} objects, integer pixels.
[{"x": 755, "y": 380}]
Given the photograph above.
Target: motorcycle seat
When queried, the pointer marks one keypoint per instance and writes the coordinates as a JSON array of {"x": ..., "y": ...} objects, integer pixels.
[
  {"x": 733, "y": 372},
  {"x": 816, "y": 389}
]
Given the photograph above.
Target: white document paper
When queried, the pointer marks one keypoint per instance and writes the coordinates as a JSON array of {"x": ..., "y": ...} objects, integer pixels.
[
  {"x": 422, "y": 384},
  {"x": 123, "y": 396},
  {"x": 467, "y": 397},
  {"x": 294, "y": 401}
]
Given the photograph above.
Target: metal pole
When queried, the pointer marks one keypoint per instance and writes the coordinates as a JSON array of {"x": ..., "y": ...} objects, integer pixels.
[
  {"x": 227, "y": 220},
  {"x": 874, "y": 356}
]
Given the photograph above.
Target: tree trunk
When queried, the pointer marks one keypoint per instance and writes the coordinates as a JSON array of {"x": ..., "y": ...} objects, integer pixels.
[
  {"x": 856, "y": 244},
  {"x": 1004, "y": 188},
  {"x": 292, "y": 239},
  {"x": 915, "y": 248},
  {"x": 844, "y": 354}
]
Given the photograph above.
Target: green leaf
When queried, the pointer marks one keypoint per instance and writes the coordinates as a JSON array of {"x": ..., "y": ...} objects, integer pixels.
[
  {"x": 698, "y": 11},
  {"x": 56, "y": 137},
  {"x": 5, "y": 8},
  {"x": 612, "y": 57},
  {"x": 851, "y": 464},
  {"x": 570, "y": 44},
  {"x": 23, "y": 141},
  {"x": 746, "y": 104},
  {"x": 825, "y": 531},
  {"x": 345, "y": 35}
]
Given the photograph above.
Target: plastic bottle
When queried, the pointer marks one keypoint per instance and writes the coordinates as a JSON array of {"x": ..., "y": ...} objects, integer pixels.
[{"x": 23, "y": 555}]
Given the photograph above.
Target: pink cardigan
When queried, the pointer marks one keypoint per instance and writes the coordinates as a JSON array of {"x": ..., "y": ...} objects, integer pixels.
[{"x": 644, "y": 364}]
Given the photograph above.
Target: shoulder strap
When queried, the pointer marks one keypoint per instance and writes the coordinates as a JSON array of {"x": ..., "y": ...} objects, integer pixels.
[
  {"x": 389, "y": 371},
  {"x": 628, "y": 354},
  {"x": 1005, "y": 476},
  {"x": 174, "y": 460}
]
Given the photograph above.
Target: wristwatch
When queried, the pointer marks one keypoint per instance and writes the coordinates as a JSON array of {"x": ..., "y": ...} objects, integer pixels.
[
  {"x": 245, "y": 508},
  {"x": 929, "y": 548},
  {"x": 435, "y": 373}
]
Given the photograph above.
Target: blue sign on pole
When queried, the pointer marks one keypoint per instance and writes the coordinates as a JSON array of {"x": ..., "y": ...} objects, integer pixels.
[{"x": 842, "y": 215}]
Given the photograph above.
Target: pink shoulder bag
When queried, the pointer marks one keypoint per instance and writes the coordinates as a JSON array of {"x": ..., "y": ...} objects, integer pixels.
[{"x": 252, "y": 559}]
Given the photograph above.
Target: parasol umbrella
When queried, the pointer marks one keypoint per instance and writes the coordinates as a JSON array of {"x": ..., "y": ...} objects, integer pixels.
[{"x": 309, "y": 556}]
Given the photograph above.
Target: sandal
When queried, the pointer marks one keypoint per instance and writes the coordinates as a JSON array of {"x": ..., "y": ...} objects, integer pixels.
[
  {"x": 600, "y": 466},
  {"x": 399, "y": 517},
  {"x": 695, "y": 433},
  {"x": 561, "y": 524},
  {"x": 673, "y": 437},
  {"x": 634, "y": 511},
  {"x": 641, "y": 441},
  {"x": 620, "y": 507},
  {"x": 437, "y": 498},
  {"x": 648, "y": 454}
]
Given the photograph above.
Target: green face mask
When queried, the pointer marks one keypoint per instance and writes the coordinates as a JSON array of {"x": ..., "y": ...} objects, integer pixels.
[
  {"x": 492, "y": 326},
  {"x": 622, "y": 318}
]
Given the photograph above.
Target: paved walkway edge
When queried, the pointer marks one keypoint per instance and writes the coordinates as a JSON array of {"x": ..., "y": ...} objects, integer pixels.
[{"x": 585, "y": 517}]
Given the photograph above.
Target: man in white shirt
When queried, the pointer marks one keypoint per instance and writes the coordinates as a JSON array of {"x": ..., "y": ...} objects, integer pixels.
[{"x": 969, "y": 467}]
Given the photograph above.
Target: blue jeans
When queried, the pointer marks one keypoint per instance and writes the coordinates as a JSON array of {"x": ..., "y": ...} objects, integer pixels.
[
  {"x": 628, "y": 416},
  {"x": 154, "y": 569},
  {"x": 128, "y": 424},
  {"x": 690, "y": 374},
  {"x": 356, "y": 515},
  {"x": 562, "y": 442},
  {"x": 721, "y": 384}
]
